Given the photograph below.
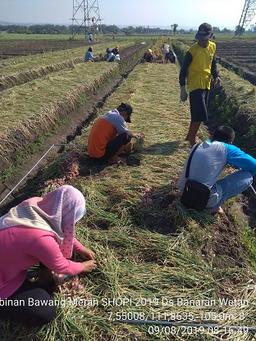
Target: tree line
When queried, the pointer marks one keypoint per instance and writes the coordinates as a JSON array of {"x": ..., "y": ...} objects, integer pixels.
[
  {"x": 63, "y": 29},
  {"x": 106, "y": 29}
]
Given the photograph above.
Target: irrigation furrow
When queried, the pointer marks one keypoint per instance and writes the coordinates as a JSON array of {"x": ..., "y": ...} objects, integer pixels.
[{"x": 69, "y": 107}]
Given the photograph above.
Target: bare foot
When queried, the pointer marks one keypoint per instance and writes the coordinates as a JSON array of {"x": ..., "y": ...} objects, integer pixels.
[{"x": 220, "y": 210}]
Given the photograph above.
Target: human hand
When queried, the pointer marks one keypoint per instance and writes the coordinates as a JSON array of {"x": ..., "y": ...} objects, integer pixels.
[
  {"x": 140, "y": 136},
  {"x": 89, "y": 265},
  {"x": 183, "y": 94},
  {"x": 87, "y": 254}
]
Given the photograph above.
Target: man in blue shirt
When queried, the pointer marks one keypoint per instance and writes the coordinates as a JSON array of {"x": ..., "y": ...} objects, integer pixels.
[{"x": 210, "y": 159}]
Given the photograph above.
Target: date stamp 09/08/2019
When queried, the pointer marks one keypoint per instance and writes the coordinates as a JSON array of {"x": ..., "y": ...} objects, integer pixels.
[{"x": 166, "y": 316}]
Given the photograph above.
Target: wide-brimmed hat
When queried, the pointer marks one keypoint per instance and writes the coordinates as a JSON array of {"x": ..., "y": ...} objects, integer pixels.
[{"x": 204, "y": 32}]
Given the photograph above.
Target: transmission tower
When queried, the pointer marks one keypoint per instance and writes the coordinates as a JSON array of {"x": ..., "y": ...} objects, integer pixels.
[
  {"x": 248, "y": 14},
  {"x": 86, "y": 16}
]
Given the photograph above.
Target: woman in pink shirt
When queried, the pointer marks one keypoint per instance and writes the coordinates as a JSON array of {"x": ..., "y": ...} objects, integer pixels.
[{"x": 39, "y": 230}]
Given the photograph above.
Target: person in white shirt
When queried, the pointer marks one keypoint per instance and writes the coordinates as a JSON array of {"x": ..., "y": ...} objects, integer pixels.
[
  {"x": 165, "y": 51},
  {"x": 210, "y": 159}
]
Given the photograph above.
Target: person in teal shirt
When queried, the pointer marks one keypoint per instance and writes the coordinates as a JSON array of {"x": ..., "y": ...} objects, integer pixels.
[{"x": 89, "y": 57}]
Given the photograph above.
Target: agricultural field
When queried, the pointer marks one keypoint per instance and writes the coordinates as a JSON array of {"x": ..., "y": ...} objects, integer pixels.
[
  {"x": 10, "y": 49},
  {"x": 51, "y": 93},
  {"x": 148, "y": 247},
  {"x": 23, "y": 36},
  {"x": 15, "y": 45},
  {"x": 240, "y": 52},
  {"x": 151, "y": 252},
  {"x": 16, "y": 71}
]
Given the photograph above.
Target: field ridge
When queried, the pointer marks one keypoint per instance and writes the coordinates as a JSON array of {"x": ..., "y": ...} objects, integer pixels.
[{"x": 148, "y": 246}]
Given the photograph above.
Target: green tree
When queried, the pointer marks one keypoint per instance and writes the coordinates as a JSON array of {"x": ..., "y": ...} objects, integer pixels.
[
  {"x": 174, "y": 28},
  {"x": 226, "y": 30},
  {"x": 216, "y": 29}
]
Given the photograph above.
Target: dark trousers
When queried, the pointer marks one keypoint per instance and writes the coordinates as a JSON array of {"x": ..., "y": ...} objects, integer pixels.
[
  {"x": 114, "y": 145},
  {"x": 33, "y": 305}
]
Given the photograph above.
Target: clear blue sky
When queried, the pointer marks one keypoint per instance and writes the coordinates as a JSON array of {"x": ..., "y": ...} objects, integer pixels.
[{"x": 186, "y": 13}]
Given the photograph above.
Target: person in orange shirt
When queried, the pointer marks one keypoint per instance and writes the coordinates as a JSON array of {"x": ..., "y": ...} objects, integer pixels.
[{"x": 109, "y": 136}]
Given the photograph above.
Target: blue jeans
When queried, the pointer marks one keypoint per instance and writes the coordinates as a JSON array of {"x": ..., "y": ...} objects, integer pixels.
[{"x": 232, "y": 185}]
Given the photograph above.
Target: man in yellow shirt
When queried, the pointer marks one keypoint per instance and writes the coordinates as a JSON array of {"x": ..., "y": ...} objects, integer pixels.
[{"x": 198, "y": 68}]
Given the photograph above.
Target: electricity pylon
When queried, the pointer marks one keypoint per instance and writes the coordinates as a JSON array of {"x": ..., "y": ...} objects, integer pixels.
[
  {"x": 86, "y": 16},
  {"x": 248, "y": 14}
]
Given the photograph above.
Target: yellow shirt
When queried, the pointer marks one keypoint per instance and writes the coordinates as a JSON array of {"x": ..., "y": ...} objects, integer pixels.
[{"x": 199, "y": 70}]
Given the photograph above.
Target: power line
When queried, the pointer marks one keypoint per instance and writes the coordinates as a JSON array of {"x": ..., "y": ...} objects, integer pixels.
[
  {"x": 86, "y": 17},
  {"x": 248, "y": 14}
]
